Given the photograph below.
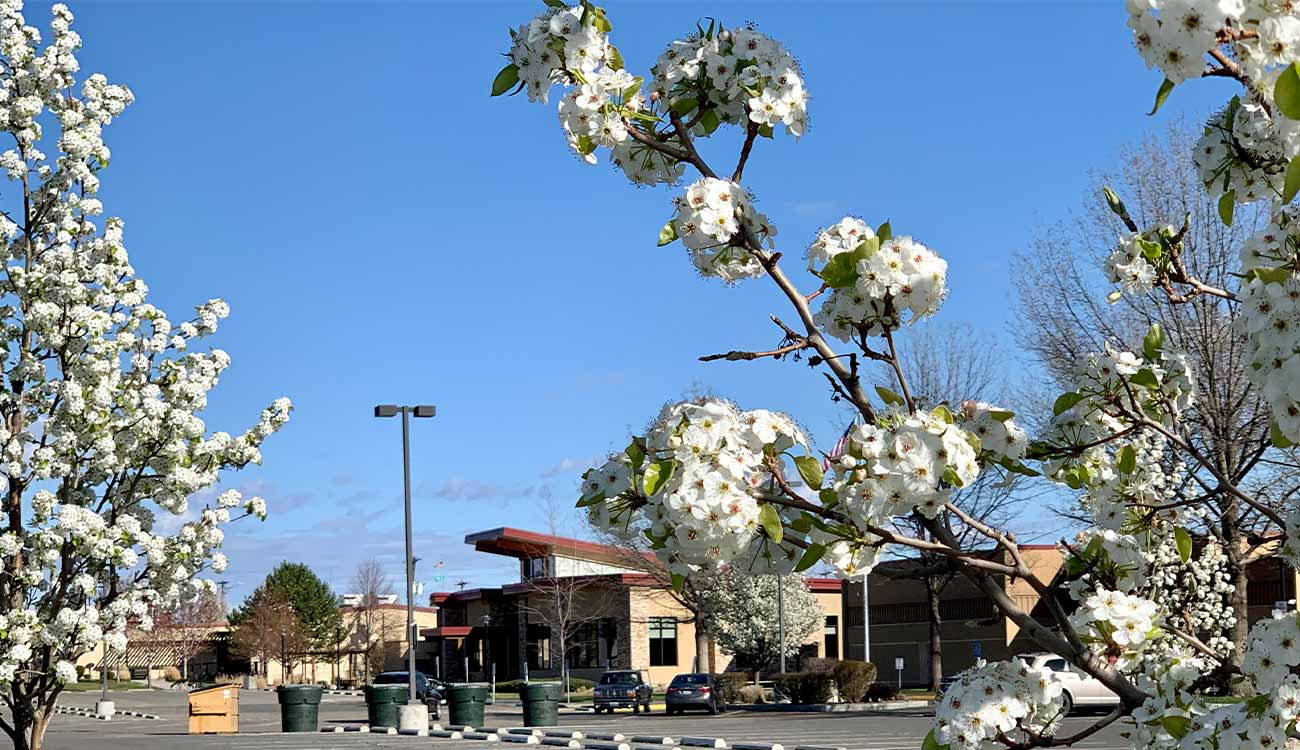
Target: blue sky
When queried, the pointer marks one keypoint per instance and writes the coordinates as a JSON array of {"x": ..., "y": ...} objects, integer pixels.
[{"x": 386, "y": 232}]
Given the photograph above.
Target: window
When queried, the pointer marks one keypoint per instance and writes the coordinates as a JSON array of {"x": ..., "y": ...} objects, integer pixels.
[
  {"x": 832, "y": 630},
  {"x": 594, "y": 644},
  {"x": 1057, "y": 665},
  {"x": 663, "y": 642},
  {"x": 535, "y": 567},
  {"x": 539, "y": 646}
]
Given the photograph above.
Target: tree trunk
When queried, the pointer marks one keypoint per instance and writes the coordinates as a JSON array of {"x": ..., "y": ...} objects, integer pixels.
[
  {"x": 701, "y": 648},
  {"x": 936, "y": 637}
]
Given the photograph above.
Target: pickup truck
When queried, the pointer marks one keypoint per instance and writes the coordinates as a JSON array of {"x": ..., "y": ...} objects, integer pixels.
[{"x": 624, "y": 688}]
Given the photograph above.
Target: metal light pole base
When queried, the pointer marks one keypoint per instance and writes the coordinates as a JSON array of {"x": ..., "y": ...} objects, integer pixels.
[
  {"x": 105, "y": 708},
  {"x": 413, "y": 717}
]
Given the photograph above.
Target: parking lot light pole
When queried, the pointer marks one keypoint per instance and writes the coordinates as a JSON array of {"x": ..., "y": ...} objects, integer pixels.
[{"x": 389, "y": 410}]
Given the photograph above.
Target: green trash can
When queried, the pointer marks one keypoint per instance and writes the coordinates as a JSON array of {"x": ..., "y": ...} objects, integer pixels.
[
  {"x": 382, "y": 702},
  {"x": 299, "y": 707},
  {"x": 541, "y": 703},
  {"x": 465, "y": 704}
]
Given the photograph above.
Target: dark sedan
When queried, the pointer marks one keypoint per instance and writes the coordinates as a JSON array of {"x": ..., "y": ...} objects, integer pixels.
[{"x": 694, "y": 691}]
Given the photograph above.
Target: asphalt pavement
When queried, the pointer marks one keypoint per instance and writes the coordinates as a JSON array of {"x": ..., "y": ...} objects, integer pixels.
[{"x": 260, "y": 723}]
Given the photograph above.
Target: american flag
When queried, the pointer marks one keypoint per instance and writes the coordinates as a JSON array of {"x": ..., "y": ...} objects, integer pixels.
[{"x": 840, "y": 446}]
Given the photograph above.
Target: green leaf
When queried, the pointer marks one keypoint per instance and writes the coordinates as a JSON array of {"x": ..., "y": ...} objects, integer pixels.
[
  {"x": 709, "y": 121},
  {"x": 679, "y": 582},
  {"x": 802, "y": 525},
  {"x": 1150, "y": 250},
  {"x": 1278, "y": 275},
  {"x": 556, "y": 3},
  {"x": 614, "y": 58},
  {"x": 657, "y": 475},
  {"x": 668, "y": 233},
  {"x": 1145, "y": 378},
  {"x": 1153, "y": 342},
  {"x": 586, "y": 145},
  {"x": 811, "y": 471},
  {"x": 950, "y": 476},
  {"x": 683, "y": 106},
  {"x": 600, "y": 22},
  {"x": 766, "y": 130},
  {"x": 1112, "y": 200},
  {"x": 1127, "y": 460},
  {"x": 632, "y": 90},
  {"x": 505, "y": 80},
  {"x": 1286, "y": 91},
  {"x": 587, "y": 502},
  {"x": 810, "y": 557},
  {"x": 884, "y": 233},
  {"x": 828, "y": 497},
  {"x": 1227, "y": 202},
  {"x": 1291, "y": 185},
  {"x": 942, "y": 412},
  {"x": 931, "y": 743},
  {"x": 841, "y": 272},
  {"x": 888, "y": 396},
  {"x": 636, "y": 452},
  {"x": 770, "y": 520},
  {"x": 1176, "y": 726},
  {"x": 1065, "y": 402},
  {"x": 1279, "y": 440},
  {"x": 1184, "y": 542},
  {"x": 1165, "y": 89},
  {"x": 1001, "y": 415}
]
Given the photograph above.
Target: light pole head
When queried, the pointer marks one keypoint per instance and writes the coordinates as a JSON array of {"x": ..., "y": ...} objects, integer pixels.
[
  {"x": 427, "y": 410},
  {"x": 386, "y": 410}
]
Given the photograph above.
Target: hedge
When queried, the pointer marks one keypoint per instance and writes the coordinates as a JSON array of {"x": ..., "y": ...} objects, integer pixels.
[
  {"x": 881, "y": 691},
  {"x": 576, "y": 684},
  {"x": 806, "y": 687},
  {"x": 730, "y": 685},
  {"x": 852, "y": 678}
]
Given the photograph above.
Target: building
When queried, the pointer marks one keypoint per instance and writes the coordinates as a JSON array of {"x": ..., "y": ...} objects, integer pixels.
[{"x": 620, "y": 615}]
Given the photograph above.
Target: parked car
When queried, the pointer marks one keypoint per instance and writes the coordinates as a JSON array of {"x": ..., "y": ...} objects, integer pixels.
[
  {"x": 694, "y": 691},
  {"x": 624, "y": 688},
  {"x": 1080, "y": 688},
  {"x": 432, "y": 692}
]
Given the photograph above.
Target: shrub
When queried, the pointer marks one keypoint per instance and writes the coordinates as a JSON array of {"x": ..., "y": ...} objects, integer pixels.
[
  {"x": 852, "y": 678},
  {"x": 818, "y": 664},
  {"x": 881, "y": 691},
  {"x": 730, "y": 684},
  {"x": 806, "y": 687},
  {"x": 228, "y": 679},
  {"x": 172, "y": 674},
  {"x": 753, "y": 694},
  {"x": 576, "y": 684}
]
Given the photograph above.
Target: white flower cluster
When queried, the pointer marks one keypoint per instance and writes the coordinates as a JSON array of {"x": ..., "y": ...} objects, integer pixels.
[
  {"x": 1175, "y": 35},
  {"x": 907, "y": 462},
  {"x": 1272, "y": 650},
  {"x": 736, "y": 76},
  {"x": 712, "y": 220},
  {"x": 695, "y": 482},
  {"x": 108, "y": 389},
  {"x": 1119, "y": 625},
  {"x": 1244, "y": 151},
  {"x": 1270, "y": 303},
  {"x": 1131, "y": 265},
  {"x": 874, "y": 282},
  {"x": 1125, "y": 560},
  {"x": 558, "y": 43},
  {"x": 992, "y": 703},
  {"x": 998, "y": 435},
  {"x": 1196, "y": 596}
]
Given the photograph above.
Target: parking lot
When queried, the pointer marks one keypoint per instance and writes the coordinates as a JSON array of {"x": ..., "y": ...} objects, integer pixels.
[{"x": 260, "y": 722}]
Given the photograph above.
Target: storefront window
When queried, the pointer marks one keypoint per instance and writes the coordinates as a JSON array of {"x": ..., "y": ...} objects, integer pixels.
[{"x": 663, "y": 642}]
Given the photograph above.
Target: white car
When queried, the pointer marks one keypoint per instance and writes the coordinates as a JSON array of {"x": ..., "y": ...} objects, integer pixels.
[{"x": 1080, "y": 688}]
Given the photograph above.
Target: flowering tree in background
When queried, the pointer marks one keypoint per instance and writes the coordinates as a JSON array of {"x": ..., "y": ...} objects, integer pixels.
[
  {"x": 743, "y": 615},
  {"x": 707, "y": 482},
  {"x": 100, "y": 436}
]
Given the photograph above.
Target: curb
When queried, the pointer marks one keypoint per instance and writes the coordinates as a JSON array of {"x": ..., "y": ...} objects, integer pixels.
[{"x": 715, "y": 742}]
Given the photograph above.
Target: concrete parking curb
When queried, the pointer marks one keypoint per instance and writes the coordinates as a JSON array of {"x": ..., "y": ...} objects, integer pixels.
[
  {"x": 716, "y": 742},
  {"x": 89, "y": 713},
  {"x": 523, "y": 739},
  {"x": 606, "y": 737},
  {"x": 651, "y": 740},
  {"x": 561, "y": 742},
  {"x": 482, "y": 736},
  {"x": 758, "y": 746},
  {"x": 606, "y": 745},
  {"x": 444, "y": 734}
]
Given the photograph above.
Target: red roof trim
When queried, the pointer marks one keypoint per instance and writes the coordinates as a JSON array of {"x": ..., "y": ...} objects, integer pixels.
[
  {"x": 519, "y": 543},
  {"x": 447, "y": 631},
  {"x": 825, "y": 585},
  {"x": 402, "y": 607}
]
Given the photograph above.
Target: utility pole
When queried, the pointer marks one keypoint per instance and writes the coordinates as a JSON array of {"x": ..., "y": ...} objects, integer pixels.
[
  {"x": 387, "y": 410},
  {"x": 780, "y": 617}
]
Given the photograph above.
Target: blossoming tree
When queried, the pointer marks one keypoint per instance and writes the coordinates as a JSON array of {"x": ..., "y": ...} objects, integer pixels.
[
  {"x": 100, "y": 435},
  {"x": 744, "y": 615},
  {"x": 708, "y": 483}
]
